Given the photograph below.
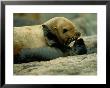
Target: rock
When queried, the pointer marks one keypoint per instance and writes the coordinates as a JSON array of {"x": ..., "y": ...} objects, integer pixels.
[
  {"x": 91, "y": 43},
  {"x": 71, "y": 65}
]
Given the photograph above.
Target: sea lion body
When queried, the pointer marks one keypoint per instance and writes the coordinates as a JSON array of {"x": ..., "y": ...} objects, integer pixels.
[{"x": 56, "y": 33}]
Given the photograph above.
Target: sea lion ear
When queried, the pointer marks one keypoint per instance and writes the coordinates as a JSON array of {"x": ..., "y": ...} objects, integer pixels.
[{"x": 44, "y": 26}]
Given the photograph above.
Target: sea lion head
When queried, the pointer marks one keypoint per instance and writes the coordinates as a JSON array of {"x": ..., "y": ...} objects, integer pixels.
[{"x": 63, "y": 29}]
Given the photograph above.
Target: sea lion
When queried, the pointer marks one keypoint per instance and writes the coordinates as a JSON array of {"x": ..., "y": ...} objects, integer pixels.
[{"x": 57, "y": 32}]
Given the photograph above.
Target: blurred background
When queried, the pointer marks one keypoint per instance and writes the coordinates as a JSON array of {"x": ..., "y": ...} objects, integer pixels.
[{"x": 86, "y": 23}]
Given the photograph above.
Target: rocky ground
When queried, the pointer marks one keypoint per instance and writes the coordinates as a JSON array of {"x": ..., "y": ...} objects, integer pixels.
[{"x": 72, "y": 65}]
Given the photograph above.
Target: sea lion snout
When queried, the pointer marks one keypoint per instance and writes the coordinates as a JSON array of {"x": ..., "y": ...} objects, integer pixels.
[{"x": 70, "y": 41}]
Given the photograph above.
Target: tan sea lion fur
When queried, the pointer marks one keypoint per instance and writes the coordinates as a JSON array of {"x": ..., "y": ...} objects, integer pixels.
[{"x": 33, "y": 36}]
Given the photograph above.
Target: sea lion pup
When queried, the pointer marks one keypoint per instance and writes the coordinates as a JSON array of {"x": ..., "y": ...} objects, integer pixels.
[{"x": 61, "y": 32}]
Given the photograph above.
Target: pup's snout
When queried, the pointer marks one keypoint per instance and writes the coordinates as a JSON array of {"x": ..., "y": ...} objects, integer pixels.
[{"x": 70, "y": 41}]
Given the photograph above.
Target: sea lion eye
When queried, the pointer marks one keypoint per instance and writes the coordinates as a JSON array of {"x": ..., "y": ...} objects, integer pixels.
[{"x": 65, "y": 30}]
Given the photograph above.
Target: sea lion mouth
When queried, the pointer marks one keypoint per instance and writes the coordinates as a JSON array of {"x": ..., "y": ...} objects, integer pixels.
[{"x": 69, "y": 40}]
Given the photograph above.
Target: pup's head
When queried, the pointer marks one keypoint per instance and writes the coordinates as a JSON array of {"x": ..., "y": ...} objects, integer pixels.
[{"x": 63, "y": 29}]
